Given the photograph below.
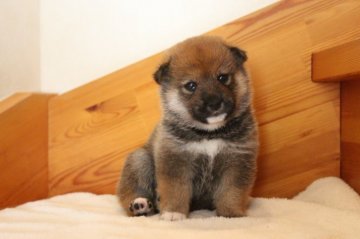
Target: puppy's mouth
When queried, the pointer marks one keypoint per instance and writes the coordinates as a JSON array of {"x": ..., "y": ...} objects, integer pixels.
[
  {"x": 213, "y": 117},
  {"x": 216, "y": 119}
]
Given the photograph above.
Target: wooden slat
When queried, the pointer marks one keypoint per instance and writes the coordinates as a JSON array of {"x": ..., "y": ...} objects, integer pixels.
[
  {"x": 92, "y": 128},
  {"x": 338, "y": 63},
  {"x": 23, "y": 148},
  {"x": 350, "y": 133}
]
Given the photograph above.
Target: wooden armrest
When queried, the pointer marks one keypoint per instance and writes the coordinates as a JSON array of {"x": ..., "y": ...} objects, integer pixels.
[
  {"x": 338, "y": 63},
  {"x": 23, "y": 148},
  {"x": 342, "y": 63}
]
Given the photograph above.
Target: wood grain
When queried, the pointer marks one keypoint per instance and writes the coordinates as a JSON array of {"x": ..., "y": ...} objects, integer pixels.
[
  {"x": 23, "y": 148},
  {"x": 350, "y": 133},
  {"x": 94, "y": 127},
  {"x": 337, "y": 63}
]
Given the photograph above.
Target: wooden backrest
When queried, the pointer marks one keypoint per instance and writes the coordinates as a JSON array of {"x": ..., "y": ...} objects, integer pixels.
[{"x": 94, "y": 127}]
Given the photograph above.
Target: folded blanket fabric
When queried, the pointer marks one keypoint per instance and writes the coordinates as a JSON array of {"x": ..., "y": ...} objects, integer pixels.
[{"x": 327, "y": 209}]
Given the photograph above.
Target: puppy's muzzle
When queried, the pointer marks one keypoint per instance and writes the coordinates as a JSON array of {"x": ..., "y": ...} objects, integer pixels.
[
  {"x": 214, "y": 109},
  {"x": 214, "y": 105}
]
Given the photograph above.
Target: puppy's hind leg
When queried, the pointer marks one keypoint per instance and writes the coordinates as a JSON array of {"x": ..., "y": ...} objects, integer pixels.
[{"x": 136, "y": 188}]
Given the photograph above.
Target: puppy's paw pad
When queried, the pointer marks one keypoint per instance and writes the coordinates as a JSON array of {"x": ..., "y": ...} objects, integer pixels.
[
  {"x": 141, "y": 207},
  {"x": 172, "y": 216}
]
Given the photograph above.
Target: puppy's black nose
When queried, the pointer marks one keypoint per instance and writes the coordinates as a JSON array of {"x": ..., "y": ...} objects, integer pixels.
[{"x": 214, "y": 103}]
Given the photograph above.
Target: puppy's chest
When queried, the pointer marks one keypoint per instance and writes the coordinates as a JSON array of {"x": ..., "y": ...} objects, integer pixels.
[
  {"x": 205, "y": 158},
  {"x": 206, "y": 149}
]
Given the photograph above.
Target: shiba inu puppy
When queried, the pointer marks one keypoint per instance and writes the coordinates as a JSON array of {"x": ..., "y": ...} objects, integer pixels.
[{"x": 202, "y": 154}]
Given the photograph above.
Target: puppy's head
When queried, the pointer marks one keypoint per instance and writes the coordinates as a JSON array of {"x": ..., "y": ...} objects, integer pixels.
[{"x": 203, "y": 83}]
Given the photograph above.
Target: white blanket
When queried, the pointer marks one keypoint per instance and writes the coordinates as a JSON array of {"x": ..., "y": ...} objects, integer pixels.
[{"x": 327, "y": 209}]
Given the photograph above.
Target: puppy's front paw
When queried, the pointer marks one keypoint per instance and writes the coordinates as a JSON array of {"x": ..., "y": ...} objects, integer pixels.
[
  {"x": 172, "y": 216},
  {"x": 141, "y": 207}
]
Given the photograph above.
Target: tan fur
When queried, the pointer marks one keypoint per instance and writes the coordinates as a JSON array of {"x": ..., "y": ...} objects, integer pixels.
[
  {"x": 174, "y": 193},
  {"x": 231, "y": 201},
  {"x": 207, "y": 55}
]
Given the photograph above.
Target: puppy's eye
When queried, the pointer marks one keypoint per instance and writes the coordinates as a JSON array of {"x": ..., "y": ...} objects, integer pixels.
[
  {"x": 224, "y": 79},
  {"x": 190, "y": 86}
]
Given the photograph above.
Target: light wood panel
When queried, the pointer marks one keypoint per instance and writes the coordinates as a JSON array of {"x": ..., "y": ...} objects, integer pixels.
[
  {"x": 23, "y": 148},
  {"x": 337, "y": 63},
  {"x": 94, "y": 127}
]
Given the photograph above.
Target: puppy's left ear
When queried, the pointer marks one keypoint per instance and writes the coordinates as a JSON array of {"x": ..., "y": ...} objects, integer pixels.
[
  {"x": 162, "y": 73},
  {"x": 240, "y": 55}
]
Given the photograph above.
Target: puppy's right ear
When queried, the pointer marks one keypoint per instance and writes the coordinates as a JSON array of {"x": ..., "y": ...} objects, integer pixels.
[{"x": 162, "y": 73}]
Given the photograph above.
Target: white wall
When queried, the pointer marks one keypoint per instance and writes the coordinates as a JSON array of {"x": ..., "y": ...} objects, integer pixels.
[
  {"x": 85, "y": 39},
  {"x": 56, "y": 45},
  {"x": 19, "y": 46}
]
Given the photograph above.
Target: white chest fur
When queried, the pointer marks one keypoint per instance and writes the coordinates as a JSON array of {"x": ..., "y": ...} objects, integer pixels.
[{"x": 208, "y": 147}]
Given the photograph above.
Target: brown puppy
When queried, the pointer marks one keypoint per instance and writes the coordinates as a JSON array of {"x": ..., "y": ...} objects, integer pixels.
[{"x": 202, "y": 155}]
